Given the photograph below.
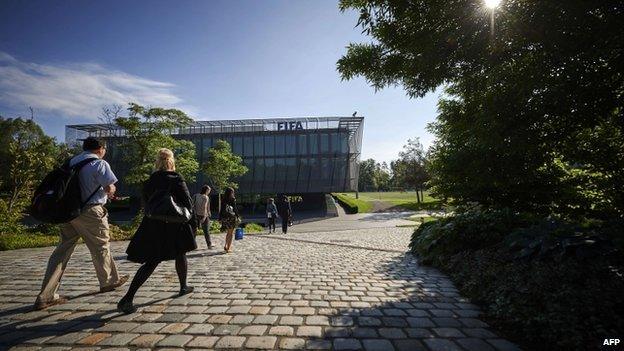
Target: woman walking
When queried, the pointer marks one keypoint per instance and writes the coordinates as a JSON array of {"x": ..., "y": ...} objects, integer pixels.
[
  {"x": 271, "y": 214},
  {"x": 229, "y": 218},
  {"x": 156, "y": 240}
]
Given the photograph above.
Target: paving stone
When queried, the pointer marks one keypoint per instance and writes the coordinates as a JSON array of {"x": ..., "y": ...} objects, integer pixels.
[
  {"x": 448, "y": 332},
  {"x": 478, "y": 333},
  {"x": 474, "y": 344},
  {"x": 149, "y": 327},
  {"x": 266, "y": 319},
  {"x": 282, "y": 330},
  {"x": 203, "y": 342},
  {"x": 261, "y": 342},
  {"x": 292, "y": 344},
  {"x": 118, "y": 339},
  {"x": 309, "y": 331},
  {"x": 230, "y": 342},
  {"x": 93, "y": 339},
  {"x": 175, "y": 328},
  {"x": 204, "y": 329},
  {"x": 441, "y": 345},
  {"x": 337, "y": 332},
  {"x": 420, "y": 322},
  {"x": 317, "y": 320},
  {"x": 253, "y": 330},
  {"x": 377, "y": 345},
  {"x": 175, "y": 340},
  {"x": 364, "y": 333},
  {"x": 409, "y": 345},
  {"x": 347, "y": 344},
  {"x": 147, "y": 340},
  {"x": 291, "y": 320},
  {"x": 318, "y": 344},
  {"x": 391, "y": 333},
  {"x": 226, "y": 329}
]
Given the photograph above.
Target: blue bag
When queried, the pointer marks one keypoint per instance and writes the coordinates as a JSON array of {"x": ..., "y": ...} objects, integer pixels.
[{"x": 238, "y": 235}]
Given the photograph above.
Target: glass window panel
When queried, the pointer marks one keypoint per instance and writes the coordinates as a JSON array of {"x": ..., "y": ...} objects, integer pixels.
[
  {"x": 291, "y": 145},
  {"x": 335, "y": 142},
  {"x": 258, "y": 146},
  {"x": 303, "y": 144},
  {"x": 269, "y": 170},
  {"x": 313, "y": 143},
  {"x": 304, "y": 175},
  {"x": 279, "y": 144},
  {"x": 325, "y": 168},
  {"x": 237, "y": 145},
  {"x": 269, "y": 145},
  {"x": 344, "y": 143},
  {"x": 324, "y": 143},
  {"x": 248, "y": 146}
]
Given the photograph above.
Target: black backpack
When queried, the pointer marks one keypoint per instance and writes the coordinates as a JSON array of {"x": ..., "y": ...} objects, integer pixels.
[{"x": 58, "y": 198}]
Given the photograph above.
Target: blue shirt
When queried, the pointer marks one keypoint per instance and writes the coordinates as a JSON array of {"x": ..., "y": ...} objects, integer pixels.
[{"x": 95, "y": 174}]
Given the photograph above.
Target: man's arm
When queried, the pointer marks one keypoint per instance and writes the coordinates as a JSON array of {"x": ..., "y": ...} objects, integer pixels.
[{"x": 106, "y": 178}]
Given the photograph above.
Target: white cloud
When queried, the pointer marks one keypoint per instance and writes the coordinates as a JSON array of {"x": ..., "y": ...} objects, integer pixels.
[{"x": 77, "y": 91}]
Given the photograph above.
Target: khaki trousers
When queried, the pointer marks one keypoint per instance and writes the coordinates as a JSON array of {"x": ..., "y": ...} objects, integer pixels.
[{"x": 92, "y": 226}]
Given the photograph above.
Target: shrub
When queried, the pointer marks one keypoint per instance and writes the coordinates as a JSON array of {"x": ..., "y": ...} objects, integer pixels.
[
  {"x": 549, "y": 284},
  {"x": 352, "y": 205}
]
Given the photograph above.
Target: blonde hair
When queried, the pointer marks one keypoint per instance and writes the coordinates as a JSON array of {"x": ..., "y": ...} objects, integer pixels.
[{"x": 165, "y": 160}]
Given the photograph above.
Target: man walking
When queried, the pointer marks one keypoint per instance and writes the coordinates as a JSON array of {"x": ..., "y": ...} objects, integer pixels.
[
  {"x": 201, "y": 203},
  {"x": 97, "y": 182}
]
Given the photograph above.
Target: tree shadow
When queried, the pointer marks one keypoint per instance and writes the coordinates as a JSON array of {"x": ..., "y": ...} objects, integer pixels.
[{"x": 411, "y": 308}]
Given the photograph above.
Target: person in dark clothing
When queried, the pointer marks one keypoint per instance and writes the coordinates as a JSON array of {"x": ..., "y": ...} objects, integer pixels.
[
  {"x": 284, "y": 211},
  {"x": 156, "y": 241},
  {"x": 229, "y": 217},
  {"x": 271, "y": 214}
]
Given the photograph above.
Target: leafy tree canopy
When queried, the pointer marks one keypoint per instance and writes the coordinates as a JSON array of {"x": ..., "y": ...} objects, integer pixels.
[
  {"x": 149, "y": 129},
  {"x": 533, "y": 113},
  {"x": 222, "y": 166}
]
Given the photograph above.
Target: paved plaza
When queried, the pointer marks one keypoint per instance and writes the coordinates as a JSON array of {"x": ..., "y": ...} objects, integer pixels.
[{"x": 340, "y": 289}]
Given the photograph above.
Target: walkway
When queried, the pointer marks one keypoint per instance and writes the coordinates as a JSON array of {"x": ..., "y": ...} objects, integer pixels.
[{"x": 350, "y": 289}]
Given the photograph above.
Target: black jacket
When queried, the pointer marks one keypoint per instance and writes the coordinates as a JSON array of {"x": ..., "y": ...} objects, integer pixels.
[{"x": 156, "y": 240}]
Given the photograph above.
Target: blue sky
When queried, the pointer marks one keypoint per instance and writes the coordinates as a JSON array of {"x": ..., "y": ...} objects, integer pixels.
[{"x": 212, "y": 59}]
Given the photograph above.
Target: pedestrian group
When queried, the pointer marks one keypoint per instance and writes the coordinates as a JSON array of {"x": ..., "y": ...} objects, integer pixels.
[{"x": 167, "y": 230}]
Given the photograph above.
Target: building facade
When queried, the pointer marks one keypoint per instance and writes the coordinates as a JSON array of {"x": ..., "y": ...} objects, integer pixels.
[{"x": 284, "y": 155}]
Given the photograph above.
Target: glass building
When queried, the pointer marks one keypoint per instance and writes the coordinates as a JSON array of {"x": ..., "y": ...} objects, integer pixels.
[{"x": 284, "y": 155}]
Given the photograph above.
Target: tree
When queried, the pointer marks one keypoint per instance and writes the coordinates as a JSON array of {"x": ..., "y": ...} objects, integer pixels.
[
  {"x": 366, "y": 178},
  {"x": 410, "y": 169},
  {"x": 222, "y": 166},
  {"x": 26, "y": 158},
  {"x": 149, "y": 129},
  {"x": 532, "y": 115}
]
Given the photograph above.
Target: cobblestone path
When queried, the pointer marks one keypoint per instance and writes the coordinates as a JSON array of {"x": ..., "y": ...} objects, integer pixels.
[{"x": 344, "y": 290}]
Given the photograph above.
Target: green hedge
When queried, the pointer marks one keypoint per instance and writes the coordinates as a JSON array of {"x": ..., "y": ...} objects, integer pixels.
[
  {"x": 546, "y": 284},
  {"x": 351, "y": 204}
]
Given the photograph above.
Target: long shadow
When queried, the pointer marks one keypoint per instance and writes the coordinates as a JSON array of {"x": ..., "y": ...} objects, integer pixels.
[
  {"x": 426, "y": 313},
  {"x": 13, "y": 333}
]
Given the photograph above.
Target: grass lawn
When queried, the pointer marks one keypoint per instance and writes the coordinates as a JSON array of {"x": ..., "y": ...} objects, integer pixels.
[{"x": 405, "y": 199}]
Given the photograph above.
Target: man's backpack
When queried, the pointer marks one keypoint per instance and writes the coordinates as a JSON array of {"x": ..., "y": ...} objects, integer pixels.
[{"x": 58, "y": 198}]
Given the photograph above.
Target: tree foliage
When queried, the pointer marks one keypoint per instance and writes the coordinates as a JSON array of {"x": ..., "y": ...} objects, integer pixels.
[
  {"x": 149, "y": 129},
  {"x": 373, "y": 176},
  {"x": 222, "y": 166},
  {"x": 533, "y": 113},
  {"x": 27, "y": 155},
  {"x": 410, "y": 169}
]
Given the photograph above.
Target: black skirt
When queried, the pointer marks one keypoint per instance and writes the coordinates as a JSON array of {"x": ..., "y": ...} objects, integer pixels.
[{"x": 157, "y": 241}]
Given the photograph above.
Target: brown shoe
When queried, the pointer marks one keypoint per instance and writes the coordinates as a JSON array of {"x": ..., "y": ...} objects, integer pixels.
[
  {"x": 41, "y": 305},
  {"x": 122, "y": 280}
]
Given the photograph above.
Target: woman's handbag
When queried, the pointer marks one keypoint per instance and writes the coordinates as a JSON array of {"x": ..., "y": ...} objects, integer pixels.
[{"x": 161, "y": 206}]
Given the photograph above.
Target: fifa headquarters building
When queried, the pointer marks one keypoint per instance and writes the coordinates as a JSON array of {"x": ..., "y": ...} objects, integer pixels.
[{"x": 307, "y": 157}]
